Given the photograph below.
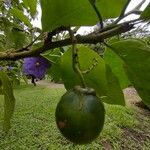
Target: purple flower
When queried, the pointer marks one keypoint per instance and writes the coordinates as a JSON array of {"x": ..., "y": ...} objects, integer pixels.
[{"x": 36, "y": 66}]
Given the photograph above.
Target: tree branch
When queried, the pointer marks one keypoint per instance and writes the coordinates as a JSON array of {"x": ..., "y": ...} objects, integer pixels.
[{"x": 86, "y": 39}]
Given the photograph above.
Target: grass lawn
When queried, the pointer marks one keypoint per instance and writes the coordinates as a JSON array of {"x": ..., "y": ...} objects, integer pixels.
[{"x": 34, "y": 128}]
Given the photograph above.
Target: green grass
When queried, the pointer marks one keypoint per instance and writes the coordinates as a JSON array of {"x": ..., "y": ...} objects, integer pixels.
[{"x": 34, "y": 128}]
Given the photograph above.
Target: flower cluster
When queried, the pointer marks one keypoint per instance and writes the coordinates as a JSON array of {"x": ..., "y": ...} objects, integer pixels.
[{"x": 36, "y": 66}]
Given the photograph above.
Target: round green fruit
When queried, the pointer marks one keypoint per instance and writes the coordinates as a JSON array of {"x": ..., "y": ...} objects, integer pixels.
[{"x": 80, "y": 115}]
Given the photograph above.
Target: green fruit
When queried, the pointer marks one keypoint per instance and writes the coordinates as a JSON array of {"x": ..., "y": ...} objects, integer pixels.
[{"x": 80, "y": 115}]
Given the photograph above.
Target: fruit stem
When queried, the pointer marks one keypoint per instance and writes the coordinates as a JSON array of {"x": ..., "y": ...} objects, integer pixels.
[{"x": 75, "y": 58}]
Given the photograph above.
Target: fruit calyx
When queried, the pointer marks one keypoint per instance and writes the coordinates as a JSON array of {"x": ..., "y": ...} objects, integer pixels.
[{"x": 87, "y": 90}]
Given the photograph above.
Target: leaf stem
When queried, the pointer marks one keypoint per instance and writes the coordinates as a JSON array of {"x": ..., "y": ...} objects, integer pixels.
[{"x": 93, "y": 3}]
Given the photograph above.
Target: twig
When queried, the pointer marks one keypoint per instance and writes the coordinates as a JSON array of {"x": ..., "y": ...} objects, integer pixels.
[
  {"x": 93, "y": 3},
  {"x": 136, "y": 11},
  {"x": 139, "y": 5},
  {"x": 29, "y": 45},
  {"x": 122, "y": 12}
]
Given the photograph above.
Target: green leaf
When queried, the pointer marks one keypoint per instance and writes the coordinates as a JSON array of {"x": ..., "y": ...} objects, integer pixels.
[
  {"x": 110, "y": 9},
  {"x": 146, "y": 13},
  {"x": 55, "y": 72},
  {"x": 32, "y": 6},
  {"x": 76, "y": 12},
  {"x": 95, "y": 78},
  {"x": 136, "y": 55},
  {"x": 100, "y": 78},
  {"x": 24, "y": 77},
  {"x": 9, "y": 103},
  {"x": 15, "y": 38},
  {"x": 18, "y": 38},
  {"x": 1, "y": 90},
  {"x": 54, "y": 57},
  {"x": 117, "y": 66},
  {"x": 114, "y": 91},
  {"x": 20, "y": 15},
  {"x": 25, "y": 4}
]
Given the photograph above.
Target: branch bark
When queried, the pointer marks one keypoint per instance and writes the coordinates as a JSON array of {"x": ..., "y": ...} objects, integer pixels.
[{"x": 86, "y": 39}]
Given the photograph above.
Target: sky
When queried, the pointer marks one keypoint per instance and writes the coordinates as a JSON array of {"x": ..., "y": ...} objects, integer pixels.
[{"x": 133, "y": 3}]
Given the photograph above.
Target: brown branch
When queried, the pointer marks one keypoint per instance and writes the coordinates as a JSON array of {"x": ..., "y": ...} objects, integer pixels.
[{"x": 86, "y": 39}]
